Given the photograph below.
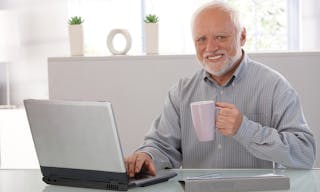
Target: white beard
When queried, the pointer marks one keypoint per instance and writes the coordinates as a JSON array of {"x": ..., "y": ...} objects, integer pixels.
[{"x": 227, "y": 66}]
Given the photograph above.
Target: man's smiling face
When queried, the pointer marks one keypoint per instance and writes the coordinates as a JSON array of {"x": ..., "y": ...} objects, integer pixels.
[{"x": 217, "y": 41}]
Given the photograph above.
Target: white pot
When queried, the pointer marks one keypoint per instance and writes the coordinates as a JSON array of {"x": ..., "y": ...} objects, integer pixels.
[
  {"x": 151, "y": 38},
  {"x": 76, "y": 40}
]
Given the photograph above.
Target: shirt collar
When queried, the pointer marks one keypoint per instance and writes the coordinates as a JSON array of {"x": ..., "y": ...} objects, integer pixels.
[{"x": 240, "y": 70}]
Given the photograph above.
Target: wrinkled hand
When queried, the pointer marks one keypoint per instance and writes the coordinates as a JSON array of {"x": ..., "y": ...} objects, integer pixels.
[
  {"x": 137, "y": 161},
  {"x": 228, "y": 119}
]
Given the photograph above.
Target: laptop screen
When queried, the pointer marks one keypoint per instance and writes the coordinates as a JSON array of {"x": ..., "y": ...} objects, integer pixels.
[{"x": 76, "y": 135}]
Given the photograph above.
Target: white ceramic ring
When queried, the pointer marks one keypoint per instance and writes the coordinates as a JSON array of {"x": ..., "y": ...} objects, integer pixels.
[{"x": 126, "y": 35}]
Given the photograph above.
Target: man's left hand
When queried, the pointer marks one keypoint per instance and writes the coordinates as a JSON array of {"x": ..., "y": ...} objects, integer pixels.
[{"x": 228, "y": 119}]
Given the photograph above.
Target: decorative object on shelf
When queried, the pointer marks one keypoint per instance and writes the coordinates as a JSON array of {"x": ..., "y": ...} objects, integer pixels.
[
  {"x": 4, "y": 85},
  {"x": 76, "y": 35},
  {"x": 151, "y": 33},
  {"x": 127, "y": 37}
]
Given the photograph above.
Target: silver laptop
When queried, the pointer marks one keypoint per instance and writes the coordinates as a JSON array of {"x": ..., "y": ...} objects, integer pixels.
[{"x": 77, "y": 144}]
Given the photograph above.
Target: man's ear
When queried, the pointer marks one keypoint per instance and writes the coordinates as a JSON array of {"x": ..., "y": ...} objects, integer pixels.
[{"x": 243, "y": 36}]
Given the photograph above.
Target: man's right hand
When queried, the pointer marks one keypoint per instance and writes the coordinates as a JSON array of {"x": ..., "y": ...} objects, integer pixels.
[{"x": 137, "y": 161}]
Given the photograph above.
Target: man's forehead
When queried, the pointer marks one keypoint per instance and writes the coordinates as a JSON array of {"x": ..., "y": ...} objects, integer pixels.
[{"x": 214, "y": 29}]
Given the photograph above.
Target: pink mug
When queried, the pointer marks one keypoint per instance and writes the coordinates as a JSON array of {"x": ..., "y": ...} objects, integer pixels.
[{"x": 203, "y": 118}]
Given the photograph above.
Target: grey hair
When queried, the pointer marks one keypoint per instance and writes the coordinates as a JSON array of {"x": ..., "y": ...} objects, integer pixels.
[{"x": 234, "y": 14}]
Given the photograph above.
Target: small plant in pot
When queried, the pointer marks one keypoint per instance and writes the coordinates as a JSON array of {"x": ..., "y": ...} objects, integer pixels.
[
  {"x": 151, "y": 19},
  {"x": 76, "y": 35},
  {"x": 151, "y": 34},
  {"x": 75, "y": 20}
]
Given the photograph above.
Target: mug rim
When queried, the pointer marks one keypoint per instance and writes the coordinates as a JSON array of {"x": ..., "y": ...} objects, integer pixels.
[{"x": 203, "y": 102}]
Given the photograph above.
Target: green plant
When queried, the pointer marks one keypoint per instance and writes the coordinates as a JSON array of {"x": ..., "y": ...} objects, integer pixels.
[
  {"x": 75, "y": 20},
  {"x": 151, "y": 19}
]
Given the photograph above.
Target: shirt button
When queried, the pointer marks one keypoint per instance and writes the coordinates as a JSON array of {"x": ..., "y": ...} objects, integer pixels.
[
  {"x": 219, "y": 146},
  {"x": 221, "y": 92}
]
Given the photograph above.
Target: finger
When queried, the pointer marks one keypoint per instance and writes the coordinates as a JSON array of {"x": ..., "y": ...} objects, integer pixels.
[
  {"x": 223, "y": 122},
  {"x": 151, "y": 167},
  {"x": 225, "y": 112},
  {"x": 126, "y": 163},
  {"x": 220, "y": 125},
  {"x": 132, "y": 165},
  {"x": 222, "y": 118},
  {"x": 224, "y": 105},
  {"x": 221, "y": 130},
  {"x": 140, "y": 161}
]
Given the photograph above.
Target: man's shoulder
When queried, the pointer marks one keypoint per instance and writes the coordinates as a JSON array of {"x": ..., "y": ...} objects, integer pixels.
[
  {"x": 188, "y": 83},
  {"x": 262, "y": 70},
  {"x": 262, "y": 73},
  {"x": 191, "y": 80}
]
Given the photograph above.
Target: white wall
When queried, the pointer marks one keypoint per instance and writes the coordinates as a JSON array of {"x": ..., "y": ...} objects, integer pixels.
[
  {"x": 30, "y": 31},
  {"x": 37, "y": 29},
  {"x": 137, "y": 85}
]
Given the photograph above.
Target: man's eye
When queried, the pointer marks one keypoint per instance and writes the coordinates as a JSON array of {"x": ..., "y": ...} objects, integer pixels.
[
  {"x": 201, "y": 39},
  {"x": 220, "y": 37}
]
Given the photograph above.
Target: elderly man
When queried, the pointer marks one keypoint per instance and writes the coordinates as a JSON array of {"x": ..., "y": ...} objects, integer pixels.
[{"x": 260, "y": 123}]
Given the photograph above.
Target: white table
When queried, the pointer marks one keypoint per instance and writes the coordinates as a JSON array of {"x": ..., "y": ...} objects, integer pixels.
[{"x": 30, "y": 180}]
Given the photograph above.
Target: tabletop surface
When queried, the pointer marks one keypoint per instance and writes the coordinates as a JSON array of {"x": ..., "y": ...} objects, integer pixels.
[{"x": 14, "y": 180}]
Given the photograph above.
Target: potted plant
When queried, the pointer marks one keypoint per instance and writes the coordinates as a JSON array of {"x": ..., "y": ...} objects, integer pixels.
[
  {"x": 151, "y": 30},
  {"x": 76, "y": 35}
]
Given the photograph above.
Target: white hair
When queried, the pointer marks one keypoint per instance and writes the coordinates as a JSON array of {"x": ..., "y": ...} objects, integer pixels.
[{"x": 234, "y": 14}]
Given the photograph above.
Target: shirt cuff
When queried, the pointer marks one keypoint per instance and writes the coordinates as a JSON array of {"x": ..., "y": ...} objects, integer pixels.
[
  {"x": 246, "y": 131},
  {"x": 160, "y": 161},
  {"x": 147, "y": 150}
]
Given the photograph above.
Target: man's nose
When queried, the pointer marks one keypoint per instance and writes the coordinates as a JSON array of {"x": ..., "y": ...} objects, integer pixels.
[{"x": 212, "y": 45}]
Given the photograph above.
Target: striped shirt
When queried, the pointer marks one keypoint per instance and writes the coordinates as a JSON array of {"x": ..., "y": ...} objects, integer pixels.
[{"x": 273, "y": 132}]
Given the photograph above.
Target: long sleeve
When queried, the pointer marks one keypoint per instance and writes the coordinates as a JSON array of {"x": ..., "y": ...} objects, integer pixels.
[
  {"x": 289, "y": 141},
  {"x": 163, "y": 140}
]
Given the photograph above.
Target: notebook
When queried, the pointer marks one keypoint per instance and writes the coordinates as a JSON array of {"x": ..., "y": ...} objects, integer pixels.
[
  {"x": 77, "y": 144},
  {"x": 223, "y": 183}
]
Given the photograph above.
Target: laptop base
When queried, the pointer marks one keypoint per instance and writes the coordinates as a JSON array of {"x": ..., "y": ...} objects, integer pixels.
[{"x": 85, "y": 178}]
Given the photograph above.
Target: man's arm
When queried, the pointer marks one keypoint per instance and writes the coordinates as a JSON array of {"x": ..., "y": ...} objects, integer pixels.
[
  {"x": 288, "y": 142},
  {"x": 162, "y": 143}
]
